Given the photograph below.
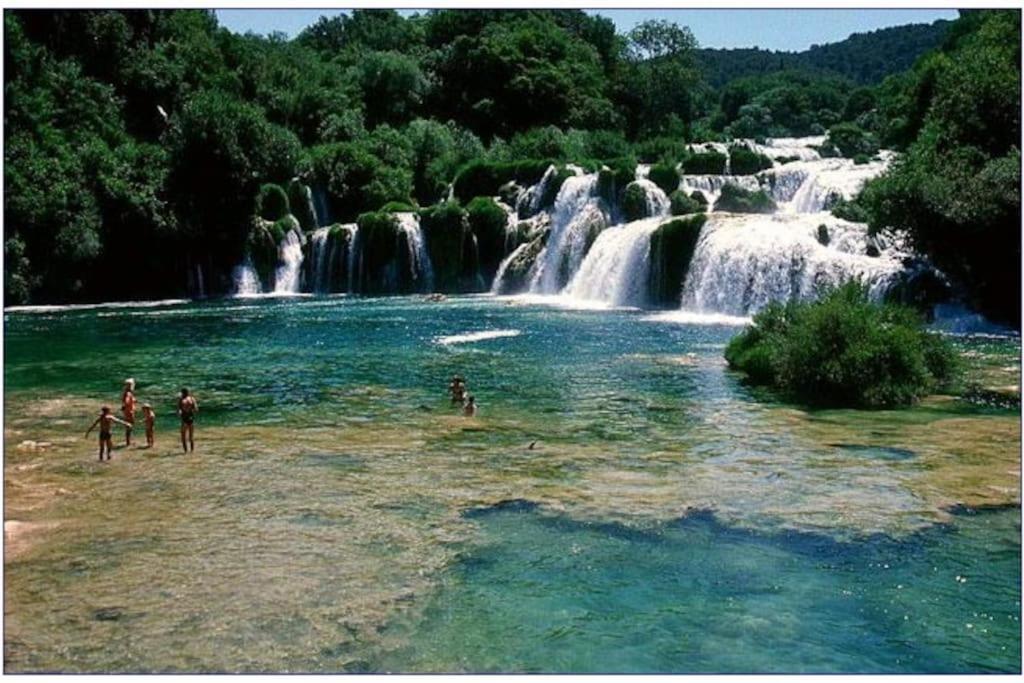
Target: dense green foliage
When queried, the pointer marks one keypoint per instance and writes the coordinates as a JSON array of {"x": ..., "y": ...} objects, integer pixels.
[
  {"x": 149, "y": 140},
  {"x": 745, "y": 161},
  {"x": 738, "y": 200},
  {"x": 956, "y": 191},
  {"x": 682, "y": 204},
  {"x": 843, "y": 351}
]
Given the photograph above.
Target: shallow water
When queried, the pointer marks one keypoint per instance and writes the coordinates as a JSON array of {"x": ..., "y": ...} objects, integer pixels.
[{"x": 322, "y": 524}]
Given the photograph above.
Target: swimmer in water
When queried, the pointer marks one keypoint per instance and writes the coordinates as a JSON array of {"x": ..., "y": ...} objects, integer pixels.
[
  {"x": 106, "y": 420},
  {"x": 187, "y": 409},
  {"x": 149, "y": 417},
  {"x": 469, "y": 410}
]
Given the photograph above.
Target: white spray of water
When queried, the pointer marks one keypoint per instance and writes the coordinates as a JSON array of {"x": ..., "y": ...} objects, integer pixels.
[
  {"x": 246, "y": 282},
  {"x": 422, "y": 271},
  {"x": 616, "y": 267},
  {"x": 575, "y": 214},
  {"x": 289, "y": 257}
]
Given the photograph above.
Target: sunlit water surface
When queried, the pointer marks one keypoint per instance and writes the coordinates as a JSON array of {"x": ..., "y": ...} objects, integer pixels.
[{"x": 339, "y": 515}]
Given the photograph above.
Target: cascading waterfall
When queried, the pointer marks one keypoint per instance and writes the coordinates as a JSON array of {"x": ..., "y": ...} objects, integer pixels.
[
  {"x": 246, "y": 281},
  {"x": 616, "y": 267},
  {"x": 577, "y": 212},
  {"x": 743, "y": 262},
  {"x": 422, "y": 271},
  {"x": 288, "y": 275}
]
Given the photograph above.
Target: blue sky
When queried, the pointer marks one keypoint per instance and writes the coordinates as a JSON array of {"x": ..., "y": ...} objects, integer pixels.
[{"x": 775, "y": 29}]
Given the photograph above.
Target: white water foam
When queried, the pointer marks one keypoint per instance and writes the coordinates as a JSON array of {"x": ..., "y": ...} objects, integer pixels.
[{"x": 470, "y": 337}]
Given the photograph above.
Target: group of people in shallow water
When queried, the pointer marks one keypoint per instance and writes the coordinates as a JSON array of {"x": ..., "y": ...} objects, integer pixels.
[
  {"x": 187, "y": 409},
  {"x": 461, "y": 396}
]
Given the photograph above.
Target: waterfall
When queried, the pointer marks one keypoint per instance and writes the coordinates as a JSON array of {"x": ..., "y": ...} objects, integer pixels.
[
  {"x": 528, "y": 202},
  {"x": 318, "y": 202},
  {"x": 289, "y": 269},
  {"x": 711, "y": 185},
  {"x": 354, "y": 253},
  {"x": 615, "y": 269},
  {"x": 319, "y": 248},
  {"x": 657, "y": 201},
  {"x": 743, "y": 262},
  {"x": 246, "y": 282},
  {"x": 200, "y": 284},
  {"x": 419, "y": 260},
  {"x": 577, "y": 214}
]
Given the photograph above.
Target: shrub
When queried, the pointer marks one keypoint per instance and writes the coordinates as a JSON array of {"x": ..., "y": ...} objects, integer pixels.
[
  {"x": 850, "y": 210},
  {"x": 634, "y": 202},
  {"x": 734, "y": 198},
  {"x": 271, "y": 202},
  {"x": 851, "y": 140},
  {"x": 298, "y": 202},
  {"x": 664, "y": 176},
  {"x": 397, "y": 207},
  {"x": 704, "y": 163},
  {"x": 744, "y": 161},
  {"x": 612, "y": 179},
  {"x": 843, "y": 351},
  {"x": 699, "y": 197},
  {"x": 683, "y": 204},
  {"x": 481, "y": 178}
]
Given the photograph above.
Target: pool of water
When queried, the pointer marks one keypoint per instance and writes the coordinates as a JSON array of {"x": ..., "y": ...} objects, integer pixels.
[{"x": 331, "y": 518}]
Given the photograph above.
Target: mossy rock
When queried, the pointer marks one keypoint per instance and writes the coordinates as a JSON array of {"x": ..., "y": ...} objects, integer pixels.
[
  {"x": 480, "y": 178},
  {"x": 518, "y": 270},
  {"x": 399, "y": 207},
  {"x": 738, "y": 200},
  {"x": 553, "y": 186},
  {"x": 509, "y": 192},
  {"x": 823, "y": 237},
  {"x": 299, "y": 202},
  {"x": 682, "y": 204},
  {"x": 488, "y": 222},
  {"x": 665, "y": 176},
  {"x": 699, "y": 197},
  {"x": 672, "y": 247},
  {"x": 384, "y": 263},
  {"x": 261, "y": 247},
  {"x": 634, "y": 202},
  {"x": 451, "y": 246},
  {"x": 705, "y": 163},
  {"x": 613, "y": 178},
  {"x": 745, "y": 161},
  {"x": 272, "y": 202}
]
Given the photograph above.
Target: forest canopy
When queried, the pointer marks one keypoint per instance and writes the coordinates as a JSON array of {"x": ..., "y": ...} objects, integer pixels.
[{"x": 144, "y": 137}]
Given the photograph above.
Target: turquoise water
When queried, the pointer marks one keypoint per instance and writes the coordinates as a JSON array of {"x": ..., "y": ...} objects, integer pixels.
[
  {"x": 339, "y": 515},
  {"x": 544, "y": 592}
]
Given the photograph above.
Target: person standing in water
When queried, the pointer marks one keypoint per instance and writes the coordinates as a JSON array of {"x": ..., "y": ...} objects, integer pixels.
[
  {"x": 106, "y": 421},
  {"x": 149, "y": 417},
  {"x": 128, "y": 404},
  {"x": 187, "y": 409},
  {"x": 469, "y": 410},
  {"x": 457, "y": 389}
]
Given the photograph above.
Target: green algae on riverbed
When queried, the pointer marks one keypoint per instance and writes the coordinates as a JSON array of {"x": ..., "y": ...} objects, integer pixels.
[{"x": 323, "y": 511}]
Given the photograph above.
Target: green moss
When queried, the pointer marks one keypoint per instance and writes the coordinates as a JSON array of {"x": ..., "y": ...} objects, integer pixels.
[
  {"x": 850, "y": 210},
  {"x": 672, "y": 246},
  {"x": 737, "y": 200},
  {"x": 398, "y": 207},
  {"x": 704, "y": 163},
  {"x": 481, "y": 178},
  {"x": 664, "y": 176},
  {"x": 487, "y": 222},
  {"x": 553, "y": 186},
  {"x": 271, "y": 202},
  {"x": 745, "y": 161},
  {"x": 614, "y": 176},
  {"x": 683, "y": 204},
  {"x": 699, "y": 197},
  {"x": 379, "y": 272},
  {"x": 843, "y": 351},
  {"x": 450, "y": 245},
  {"x": 634, "y": 202},
  {"x": 298, "y": 202}
]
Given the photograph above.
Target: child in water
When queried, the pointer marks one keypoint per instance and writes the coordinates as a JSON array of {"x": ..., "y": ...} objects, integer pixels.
[
  {"x": 469, "y": 410},
  {"x": 106, "y": 421},
  {"x": 150, "y": 418}
]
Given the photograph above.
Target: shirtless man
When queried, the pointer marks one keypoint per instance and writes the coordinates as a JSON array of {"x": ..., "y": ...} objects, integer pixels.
[
  {"x": 470, "y": 408},
  {"x": 457, "y": 389},
  {"x": 106, "y": 421},
  {"x": 128, "y": 404},
  {"x": 187, "y": 408}
]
